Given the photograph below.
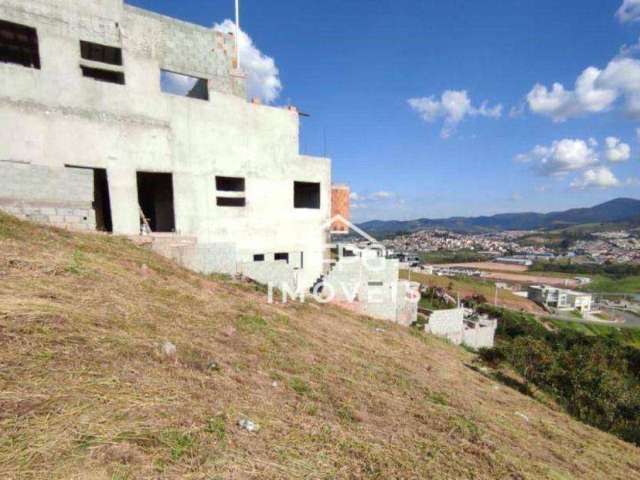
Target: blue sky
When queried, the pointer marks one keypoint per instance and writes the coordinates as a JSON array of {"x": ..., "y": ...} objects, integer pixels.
[{"x": 384, "y": 83}]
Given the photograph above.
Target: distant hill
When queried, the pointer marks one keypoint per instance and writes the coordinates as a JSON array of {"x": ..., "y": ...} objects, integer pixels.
[{"x": 620, "y": 210}]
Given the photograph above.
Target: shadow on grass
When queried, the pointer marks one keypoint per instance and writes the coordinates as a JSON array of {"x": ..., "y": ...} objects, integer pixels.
[{"x": 501, "y": 377}]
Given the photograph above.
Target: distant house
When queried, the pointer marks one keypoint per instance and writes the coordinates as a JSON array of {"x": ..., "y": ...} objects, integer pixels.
[
  {"x": 525, "y": 262},
  {"x": 560, "y": 298},
  {"x": 474, "y": 331}
]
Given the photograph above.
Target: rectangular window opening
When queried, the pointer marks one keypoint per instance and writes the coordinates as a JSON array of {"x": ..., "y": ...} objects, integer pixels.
[
  {"x": 230, "y": 202},
  {"x": 184, "y": 85},
  {"x": 155, "y": 197},
  {"x": 103, "y": 75},
  {"x": 306, "y": 195},
  {"x": 258, "y": 258},
  {"x": 230, "y": 184},
  {"x": 19, "y": 45},
  {"x": 100, "y": 53},
  {"x": 281, "y": 256}
]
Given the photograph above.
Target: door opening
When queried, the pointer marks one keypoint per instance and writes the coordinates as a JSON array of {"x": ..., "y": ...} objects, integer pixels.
[
  {"x": 101, "y": 200},
  {"x": 155, "y": 196},
  {"x": 101, "y": 203}
]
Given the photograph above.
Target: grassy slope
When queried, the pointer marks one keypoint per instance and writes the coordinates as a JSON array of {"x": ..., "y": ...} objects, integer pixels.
[
  {"x": 603, "y": 284},
  {"x": 466, "y": 286},
  {"x": 84, "y": 393},
  {"x": 630, "y": 336}
]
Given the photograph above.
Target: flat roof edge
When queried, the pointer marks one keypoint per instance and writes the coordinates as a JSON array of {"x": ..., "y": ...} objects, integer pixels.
[{"x": 166, "y": 18}]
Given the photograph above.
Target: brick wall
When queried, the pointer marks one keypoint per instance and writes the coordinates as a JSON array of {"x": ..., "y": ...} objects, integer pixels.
[
  {"x": 56, "y": 196},
  {"x": 340, "y": 206}
]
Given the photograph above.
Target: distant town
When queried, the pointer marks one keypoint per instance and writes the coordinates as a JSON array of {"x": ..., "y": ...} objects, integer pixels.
[{"x": 525, "y": 246}]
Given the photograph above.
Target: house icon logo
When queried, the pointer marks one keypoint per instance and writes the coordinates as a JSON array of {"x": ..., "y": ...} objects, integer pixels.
[
  {"x": 344, "y": 251},
  {"x": 338, "y": 225}
]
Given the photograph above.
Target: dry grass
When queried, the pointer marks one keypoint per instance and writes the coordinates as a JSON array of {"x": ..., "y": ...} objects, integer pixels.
[
  {"x": 490, "y": 266},
  {"x": 85, "y": 394},
  {"x": 519, "y": 274},
  {"x": 468, "y": 286}
]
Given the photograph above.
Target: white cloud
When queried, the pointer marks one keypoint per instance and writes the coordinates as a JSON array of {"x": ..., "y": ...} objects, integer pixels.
[
  {"x": 599, "y": 177},
  {"x": 515, "y": 197},
  {"x": 595, "y": 91},
  {"x": 560, "y": 104},
  {"x": 518, "y": 111},
  {"x": 381, "y": 195},
  {"x": 562, "y": 157},
  {"x": 629, "y": 50},
  {"x": 263, "y": 77},
  {"x": 616, "y": 151},
  {"x": 374, "y": 201},
  {"x": 629, "y": 11},
  {"x": 632, "y": 182},
  {"x": 452, "y": 106}
]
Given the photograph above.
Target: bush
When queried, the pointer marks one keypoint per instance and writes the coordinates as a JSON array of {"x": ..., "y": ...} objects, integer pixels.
[
  {"x": 595, "y": 377},
  {"x": 493, "y": 356}
]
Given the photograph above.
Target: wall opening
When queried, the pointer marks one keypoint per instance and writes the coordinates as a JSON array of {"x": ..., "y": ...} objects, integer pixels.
[
  {"x": 232, "y": 185},
  {"x": 111, "y": 57},
  {"x": 19, "y": 45},
  {"x": 101, "y": 200},
  {"x": 230, "y": 202},
  {"x": 184, "y": 85},
  {"x": 258, "y": 257},
  {"x": 100, "y": 53},
  {"x": 306, "y": 195},
  {"x": 103, "y": 75},
  {"x": 281, "y": 256},
  {"x": 155, "y": 196}
]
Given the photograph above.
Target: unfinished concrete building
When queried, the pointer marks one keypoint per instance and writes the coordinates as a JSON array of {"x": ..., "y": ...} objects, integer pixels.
[
  {"x": 461, "y": 328},
  {"x": 92, "y": 138}
]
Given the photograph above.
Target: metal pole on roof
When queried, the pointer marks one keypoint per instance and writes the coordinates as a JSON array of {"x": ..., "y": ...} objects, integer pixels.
[{"x": 238, "y": 34}]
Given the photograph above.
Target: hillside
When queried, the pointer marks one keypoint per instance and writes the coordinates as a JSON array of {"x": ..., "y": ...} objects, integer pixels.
[
  {"x": 470, "y": 286},
  {"x": 86, "y": 394},
  {"x": 615, "y": 211}
]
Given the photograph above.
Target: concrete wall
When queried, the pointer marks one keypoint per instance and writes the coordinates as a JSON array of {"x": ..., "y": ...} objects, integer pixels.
[
  {"x": 448, "y": 324},
  {"x": 52, "y": 195},
  {"x": 580, "y": 302},
  {"x": 373, "y": 283},
  {"x": 408, "y": 297},
  {"x": 451, "y": 325},
  {"x": 277, "y": 273},
  {"x": 480, "y": 334},
  {"x": 59, "y": 117}
]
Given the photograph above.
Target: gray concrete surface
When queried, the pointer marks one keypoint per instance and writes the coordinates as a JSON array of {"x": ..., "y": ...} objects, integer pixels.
[{"x": 58, "y": 117}]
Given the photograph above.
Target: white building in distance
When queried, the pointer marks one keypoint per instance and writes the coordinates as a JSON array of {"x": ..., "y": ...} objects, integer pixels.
[
  {"x": 474, "y": 332},
  {"x": 560, "y": 298}
]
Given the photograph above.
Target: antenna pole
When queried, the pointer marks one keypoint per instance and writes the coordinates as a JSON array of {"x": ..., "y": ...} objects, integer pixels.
[{"x": 238, "y": 34}]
